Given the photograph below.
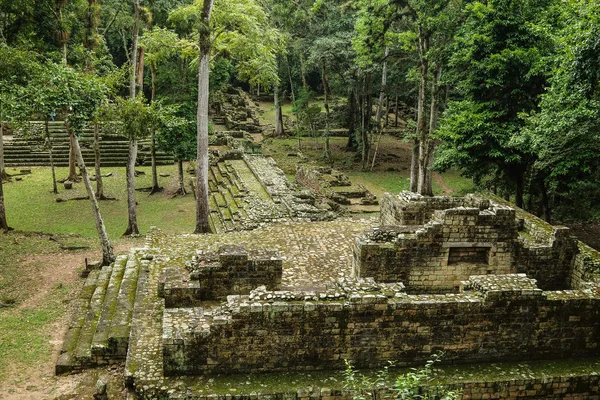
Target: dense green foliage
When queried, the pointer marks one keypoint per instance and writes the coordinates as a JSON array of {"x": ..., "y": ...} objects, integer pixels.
[{"x": 506, "y": 90}]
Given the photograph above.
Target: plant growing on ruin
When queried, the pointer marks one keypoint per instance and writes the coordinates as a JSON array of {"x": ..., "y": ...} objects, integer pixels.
[{"x": 414, "y": 385}]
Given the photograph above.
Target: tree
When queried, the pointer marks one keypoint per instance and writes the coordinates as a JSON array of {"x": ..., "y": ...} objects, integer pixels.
[
  {"x": 134, "y": 118},
  {"x": 500, "y": 72},
  {"x": 159, "y": 44},
  {"x": 241, "y": 28},
  {"x": 564, "y": 132},
  {"x": 82, "y": 95},
  {"x": 176, "y": 134}
]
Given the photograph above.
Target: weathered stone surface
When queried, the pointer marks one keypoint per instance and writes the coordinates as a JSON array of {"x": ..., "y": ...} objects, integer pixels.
[{"x": 437, "y": 242}]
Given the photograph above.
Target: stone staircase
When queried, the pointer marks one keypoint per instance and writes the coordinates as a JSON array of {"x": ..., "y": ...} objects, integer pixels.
[
  {"x": 30, "y": 150},
  {"x": 99, "y": 330}
]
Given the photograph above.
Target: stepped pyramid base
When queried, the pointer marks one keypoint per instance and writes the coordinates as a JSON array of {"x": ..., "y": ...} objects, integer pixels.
[
  {"x": 31, "y": 151},
  {"x": 99, "y": 330}
]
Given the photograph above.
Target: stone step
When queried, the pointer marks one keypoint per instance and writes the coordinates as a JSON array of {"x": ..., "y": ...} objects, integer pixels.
[
  {"x": 83, "y": 350},
  {"x": 144, "y": 308},
  {"x": 100, "y": 349},
  {"x": 118, "y": 334},
  {"x": 65, "y": 363}
]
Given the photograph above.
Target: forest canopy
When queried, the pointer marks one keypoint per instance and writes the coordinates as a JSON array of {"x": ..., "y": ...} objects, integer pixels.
[{"x": 506, "y": 91}]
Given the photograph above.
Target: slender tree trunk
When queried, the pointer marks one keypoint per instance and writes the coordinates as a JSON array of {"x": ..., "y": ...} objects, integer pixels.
[
  {"x": 99, "y": 183},
  {"x": 72, "y": 159},
  {"x": 51, "y": 156},
  {"x": 303, "y": 72},
  {"x": 108, "y": 256},
  {"x": 140, "y": 70},
  {"x": 421, "y": 117},
  {"x": 155, "y": 187},
  {"x": 520, "y": 184},
  {"x": 414, "y": 166},
  {"x": 3, "y": 224},
  {"x": 327, "y": 152},
  {"x": 134, "y": 49},
  {"x": 90, "y": 34},
  {"x": 202, "y": 209},
  {"x": 546, "y": 211},
  {"x": 425, "y": 182},
  {"x": 291, "y": 82},
  {"x": 132, "y": 226},
  {"x": 380, "y": 104},
  {"x": 278, "y": 114},
  {"x": 396, "y": 113},
  {"x": 181, "y": 189},
  {"x": 351, "y": 122},
  {"x": 3, "y": 174}
]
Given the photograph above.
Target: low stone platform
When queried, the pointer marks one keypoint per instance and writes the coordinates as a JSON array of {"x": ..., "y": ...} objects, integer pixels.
[{"x": 290, "y": 340}]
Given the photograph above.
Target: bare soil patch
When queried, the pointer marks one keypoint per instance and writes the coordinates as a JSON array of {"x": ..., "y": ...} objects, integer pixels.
[{"x": 43, "y": 274}]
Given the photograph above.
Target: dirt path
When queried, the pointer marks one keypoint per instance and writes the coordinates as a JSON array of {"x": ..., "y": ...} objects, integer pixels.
[
  {"x": 446, "y": 190},
  {"x": 37, "y": 381}
]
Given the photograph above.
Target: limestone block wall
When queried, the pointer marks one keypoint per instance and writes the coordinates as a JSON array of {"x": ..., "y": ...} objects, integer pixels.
[
  {"x": 434, "y": 258},
  {"x": 586, "y": 266},
  {"x": 235, "y": 271},
  {"x": 409, "y": 208},
  {"x": 457, "y": 242},
  {"x": 497, "y": 318}
]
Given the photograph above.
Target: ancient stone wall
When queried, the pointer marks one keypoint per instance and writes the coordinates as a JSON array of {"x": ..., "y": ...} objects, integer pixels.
[
  {"x": 455, "y": 243},
  {"x": 497, "y": 318},
  {"x": 214, "y": 276},
  {"x": 409, "y": 208}
]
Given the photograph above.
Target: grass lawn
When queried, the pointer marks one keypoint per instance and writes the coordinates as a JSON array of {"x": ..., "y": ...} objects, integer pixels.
[{"x": 31, "y": 206}]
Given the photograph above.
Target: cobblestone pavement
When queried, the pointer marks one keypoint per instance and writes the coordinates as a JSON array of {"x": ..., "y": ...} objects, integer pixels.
[{"x": 313, "y": 252}]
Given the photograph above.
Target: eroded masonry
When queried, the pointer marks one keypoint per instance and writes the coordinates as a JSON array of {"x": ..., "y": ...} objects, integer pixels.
[{"x": 474, "y": 277}]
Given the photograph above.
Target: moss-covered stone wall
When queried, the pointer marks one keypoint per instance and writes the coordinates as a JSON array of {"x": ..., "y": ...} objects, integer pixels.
[{"x": 496, "y": 318}]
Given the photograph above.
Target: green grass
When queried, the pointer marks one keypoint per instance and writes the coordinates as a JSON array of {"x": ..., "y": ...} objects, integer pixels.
[
  {"x": 30, "y": 205},
  {"x": 25, "y": 334},
  {"x": 381, "y": 182}
]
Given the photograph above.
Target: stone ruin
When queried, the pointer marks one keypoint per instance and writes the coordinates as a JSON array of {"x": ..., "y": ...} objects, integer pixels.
[
  {"x": 337, "y": 188},
  {"x": 433, "y": 243},
  {"x": 482, "y": 281},
  {"x": 248, "y": 189},
  {"x": 236, "y": 111}
]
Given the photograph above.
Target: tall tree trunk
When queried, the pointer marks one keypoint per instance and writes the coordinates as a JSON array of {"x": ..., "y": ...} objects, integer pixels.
[
  {"x": 132, "y": 226},
  {"x": 327, "y": 152},
  {"x": 546, "y": 211},
  {"x": 351, "y": 122},
  {"x": 380, "y": 104},
  {"x": 278, "y": 114},
  {"x": 99, "y": 183},
  {"x": 421, "y": 116},
  {"x": 108, "y": 255},
  {"x": 303, "y": 72},
  {"x": 181, "y": 189},
  {"x": 202, "y": 209},
  {"x": 155, "y": 187},
  {"x": 51, "y": 156},
  {"x": 139, "y": 74},
  {"x": 396, "y": 113},
  {"x": 3, "y": 174},
  {"x": 91, "y": 34},
  {"x": 134, "y": 49},
  {"x": 72, "y": 159},
  {"x": 520, "y": 185},
  {"x": 425, "y": 181},
  {"x": 414, "y": 166},
  {"x": 291, "y": 82},
  {"x": 3, "y": 223}
]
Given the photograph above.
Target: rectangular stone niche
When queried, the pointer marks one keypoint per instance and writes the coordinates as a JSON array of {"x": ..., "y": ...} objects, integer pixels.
[{"x": 468, "y": 255}]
